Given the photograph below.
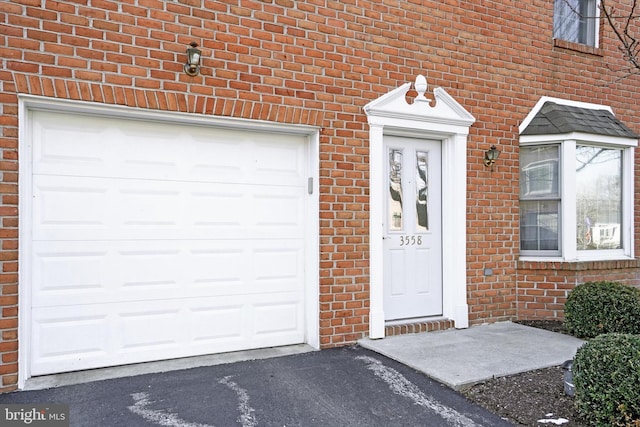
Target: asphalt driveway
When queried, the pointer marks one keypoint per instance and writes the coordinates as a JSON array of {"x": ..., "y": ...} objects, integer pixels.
[{"x": 348, "y": 386}]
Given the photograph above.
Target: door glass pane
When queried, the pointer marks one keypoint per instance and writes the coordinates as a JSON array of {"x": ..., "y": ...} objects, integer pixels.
[
  {"x": 395, "y": 189},
  {"x": 539, "y": 172},
  {"x": 539, "y": 225},
  {"x": 598, "y": 198},
  {"x": 422, "y": 190}
]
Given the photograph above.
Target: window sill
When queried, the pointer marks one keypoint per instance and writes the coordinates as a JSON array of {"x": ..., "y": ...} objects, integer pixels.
[
  {"x": 531, "y": 263},
  {"x": 578, "y": 47}
]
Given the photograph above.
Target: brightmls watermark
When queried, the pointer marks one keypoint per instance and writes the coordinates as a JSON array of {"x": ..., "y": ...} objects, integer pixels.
[{"x": 38, "y": 415}]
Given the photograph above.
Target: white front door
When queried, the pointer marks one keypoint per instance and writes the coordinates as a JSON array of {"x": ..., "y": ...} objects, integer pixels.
[{"x": 412, "y": 228}]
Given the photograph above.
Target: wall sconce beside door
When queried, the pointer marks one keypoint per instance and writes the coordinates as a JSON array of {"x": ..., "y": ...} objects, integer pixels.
[
  {"x": 192, "y": 67},
  {"x": 490, "y": 156}
]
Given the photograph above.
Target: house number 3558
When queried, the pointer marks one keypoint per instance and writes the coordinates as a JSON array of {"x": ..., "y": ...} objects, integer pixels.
[{"x": 410, "y": 240}]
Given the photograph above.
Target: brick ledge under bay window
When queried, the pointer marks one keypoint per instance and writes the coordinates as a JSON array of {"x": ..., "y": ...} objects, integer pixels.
[{"x": 578, "y": 265}]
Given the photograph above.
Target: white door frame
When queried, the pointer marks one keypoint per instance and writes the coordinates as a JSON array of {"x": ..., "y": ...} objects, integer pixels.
[
  {"x": 30, "y": 103},
  {"x": 448, "y": 122}
]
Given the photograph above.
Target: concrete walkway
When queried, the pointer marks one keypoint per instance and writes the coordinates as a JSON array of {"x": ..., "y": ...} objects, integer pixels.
[{"x": 460, "y": 357}]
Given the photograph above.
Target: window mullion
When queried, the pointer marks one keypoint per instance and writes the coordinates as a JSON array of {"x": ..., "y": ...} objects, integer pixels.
[
  {"x": 627, "y": 201},
  {"x": 596, "y": 26},
  {"x": 568, "y": 200}
]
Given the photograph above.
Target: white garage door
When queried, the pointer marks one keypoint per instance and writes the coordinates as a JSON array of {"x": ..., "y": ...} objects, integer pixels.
[{"x": 153, "y": 241}]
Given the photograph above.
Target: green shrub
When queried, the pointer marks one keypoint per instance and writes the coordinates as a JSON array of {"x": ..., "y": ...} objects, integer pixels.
[
  {"x": 606, "y": 374},
  {"x": 595, "y": 308}
]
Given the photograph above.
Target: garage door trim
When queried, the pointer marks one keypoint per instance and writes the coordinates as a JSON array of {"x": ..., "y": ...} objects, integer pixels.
[{"x": 29, "y": 104}]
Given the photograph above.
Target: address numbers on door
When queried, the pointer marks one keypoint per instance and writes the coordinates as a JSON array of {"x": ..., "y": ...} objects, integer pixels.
[{"x": 407, "y": 240}]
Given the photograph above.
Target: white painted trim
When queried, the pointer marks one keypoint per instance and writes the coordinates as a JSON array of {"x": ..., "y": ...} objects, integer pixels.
[
  {"x": 604, "y": 140},
  {"x": 628, "y": 192},
  {"x": 568, "y": 244},
  {"x": 446, "y": 116},
  {"x": 312, "y": 262},
  {"x": 446, "y": 121},
  {"x": 376, "y": 252},
  {"x": 454, "y": 230},
  {"x": 612, "y": 257},
  {"x": 25, "y": 206},
  {"x": 29, "y": 103},
  {"x": 597, "y": 26}
]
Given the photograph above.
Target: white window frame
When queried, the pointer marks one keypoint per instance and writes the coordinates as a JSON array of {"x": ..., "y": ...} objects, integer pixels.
[
  {"x": 551, "y": 197},
  {"x": 593, "y": 24},
  {"x": 567, "y": 225}
]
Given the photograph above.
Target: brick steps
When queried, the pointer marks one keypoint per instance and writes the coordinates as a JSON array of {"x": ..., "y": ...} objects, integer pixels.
[{"x": 420, "y": 326}]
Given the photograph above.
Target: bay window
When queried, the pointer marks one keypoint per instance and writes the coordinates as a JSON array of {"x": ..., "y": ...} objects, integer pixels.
[{"x": 576, "y": 187}]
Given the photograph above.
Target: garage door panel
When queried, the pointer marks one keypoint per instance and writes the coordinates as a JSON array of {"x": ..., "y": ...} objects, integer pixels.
[
  {"x": 61, "y": 143},
  {"x": 276, "y": 264},
  {"x": 277, "y": 159},
  {"x": 262, "y": 213},
  {"x": 147, "y": 205},
  {"x": 276, "y": 319},
  {"x": 270, "y": 267},
  {"x": 102, "y": 147},
  {"x": 135, "y": 331},
  {"x": 64, "y": 274},
  {"x": 68, "y": 272},
  {"x": 53, "y": 345},
  {"x": 67, "y": 205},
  {"x": 105, "y": 334},
  {"x": 217, "y": 209},
  {"x": 71, "y": 272},
  {"x": 204, "y": 316},
  {"x": 288, "y": 214},
  {"x": 153, "y": 240},
  {"x": 271, "y": 159},
  {"x": 68, "y": 208}
]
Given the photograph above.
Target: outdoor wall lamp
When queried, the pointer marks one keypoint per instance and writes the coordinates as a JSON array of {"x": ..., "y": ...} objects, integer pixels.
[
  {"x": 490, "y": 156},
  {"x": 192, "y": 67}
]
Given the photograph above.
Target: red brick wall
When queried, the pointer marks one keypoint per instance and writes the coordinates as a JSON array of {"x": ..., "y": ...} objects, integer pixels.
[
  {"x": 543, "y": 287},
  {"x": 318, "y": 63}
]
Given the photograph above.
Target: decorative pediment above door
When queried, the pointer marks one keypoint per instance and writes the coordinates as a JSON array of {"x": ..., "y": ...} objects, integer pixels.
[{"x": 442, "y": 110}]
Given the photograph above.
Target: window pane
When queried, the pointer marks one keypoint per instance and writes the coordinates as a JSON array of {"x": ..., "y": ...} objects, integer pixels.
[
  {"x": 575, "y": 21},
  {"x": 539, "y": 172},
  {"x": 598, "y": 198},
  {"x": 395, "y": 189},
  {"x": 422, "y": 190},
  {"x": 539, "y": 225}
]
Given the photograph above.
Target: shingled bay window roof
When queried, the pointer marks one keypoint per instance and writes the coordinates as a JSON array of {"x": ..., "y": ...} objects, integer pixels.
[{"x": 555, "y": 119}]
